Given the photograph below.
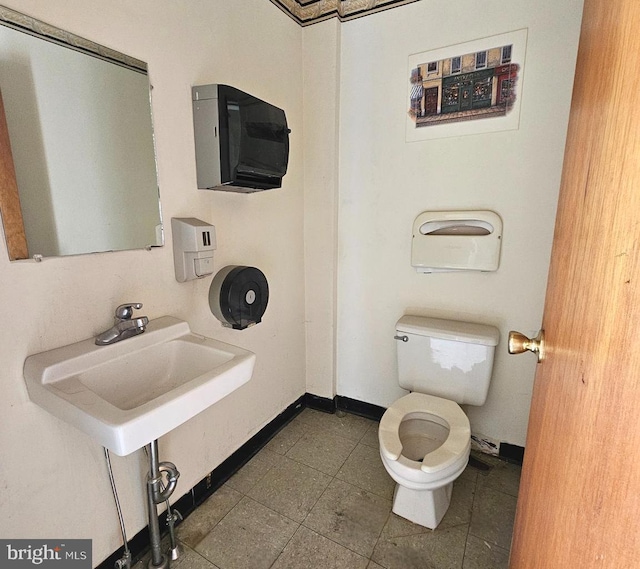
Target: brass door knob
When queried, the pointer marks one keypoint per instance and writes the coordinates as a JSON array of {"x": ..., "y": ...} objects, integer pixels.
[{"x": 519, "y": 343}]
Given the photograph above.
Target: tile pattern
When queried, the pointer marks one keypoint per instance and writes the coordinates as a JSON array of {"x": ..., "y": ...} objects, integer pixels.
[{"x": 317, "y": 496}]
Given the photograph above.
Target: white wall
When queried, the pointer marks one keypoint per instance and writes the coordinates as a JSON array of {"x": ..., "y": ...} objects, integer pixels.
[
  {"x": 386, "y": 182},
  {"x": 54, "y": 479},
  {"x": 321, "y": 75}
]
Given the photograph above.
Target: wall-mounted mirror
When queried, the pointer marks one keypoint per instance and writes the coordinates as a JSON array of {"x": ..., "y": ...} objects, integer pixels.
[{"x": 78, "y": 117}]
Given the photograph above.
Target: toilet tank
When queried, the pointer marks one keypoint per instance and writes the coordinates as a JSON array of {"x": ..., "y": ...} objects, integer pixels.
[{"x": 446, "y": 358}]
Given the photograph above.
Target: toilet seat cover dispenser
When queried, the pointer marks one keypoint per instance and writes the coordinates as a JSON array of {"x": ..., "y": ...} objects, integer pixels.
[{"x": 451, "y": 241}]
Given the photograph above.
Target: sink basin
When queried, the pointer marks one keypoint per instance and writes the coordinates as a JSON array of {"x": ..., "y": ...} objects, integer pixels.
[{"x": 128, "y": 394}]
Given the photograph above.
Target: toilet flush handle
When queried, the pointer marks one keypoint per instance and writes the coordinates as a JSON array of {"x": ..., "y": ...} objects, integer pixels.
[
  {"x": 403, "y": 338},
  {"x": 519, "y": 343}
]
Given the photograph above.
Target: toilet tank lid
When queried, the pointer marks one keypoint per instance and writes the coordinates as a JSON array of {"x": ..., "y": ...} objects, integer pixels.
[{"x": 454, "y": 330}]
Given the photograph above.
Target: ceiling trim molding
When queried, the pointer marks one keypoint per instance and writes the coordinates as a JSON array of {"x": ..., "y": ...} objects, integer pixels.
[{"x": 307, "y": 12}]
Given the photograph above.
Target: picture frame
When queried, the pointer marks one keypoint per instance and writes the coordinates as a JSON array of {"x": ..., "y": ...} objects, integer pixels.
[{"x": 466, "y": 88}]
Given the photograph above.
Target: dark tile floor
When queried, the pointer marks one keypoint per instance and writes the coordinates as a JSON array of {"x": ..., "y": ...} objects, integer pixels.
[{"x": 317, "y": 496}]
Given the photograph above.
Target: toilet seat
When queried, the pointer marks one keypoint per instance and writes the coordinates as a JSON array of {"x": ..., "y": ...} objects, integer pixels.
[{"x": 455, "y": 445}]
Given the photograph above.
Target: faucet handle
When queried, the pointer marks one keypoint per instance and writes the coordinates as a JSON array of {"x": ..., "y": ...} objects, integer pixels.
[{"x": 125, "y": 311}]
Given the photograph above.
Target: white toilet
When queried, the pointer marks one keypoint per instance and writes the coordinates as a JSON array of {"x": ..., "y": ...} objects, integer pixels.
[{"x": 425, "y": 436}]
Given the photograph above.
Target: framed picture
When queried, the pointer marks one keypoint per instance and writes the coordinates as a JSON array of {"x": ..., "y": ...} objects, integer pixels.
[{"x": 467, "y": 88}]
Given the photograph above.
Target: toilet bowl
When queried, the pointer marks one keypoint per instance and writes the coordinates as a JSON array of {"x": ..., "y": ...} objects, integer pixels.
[
  {"x": 424, "y": 446},
  {"x": 425, "y": 436}
]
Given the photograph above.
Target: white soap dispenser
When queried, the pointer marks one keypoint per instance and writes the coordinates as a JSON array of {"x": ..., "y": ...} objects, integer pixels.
[{"x": 194, "y": 242}]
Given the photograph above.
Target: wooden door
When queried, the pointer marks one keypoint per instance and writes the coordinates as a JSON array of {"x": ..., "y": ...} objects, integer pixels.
[
  {"x": 431, "y": 101},
  {"x": 579, "y": 503}
]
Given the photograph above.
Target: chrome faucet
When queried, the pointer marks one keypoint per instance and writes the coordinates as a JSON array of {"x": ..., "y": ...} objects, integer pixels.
[{"x": 124, "y": 325}]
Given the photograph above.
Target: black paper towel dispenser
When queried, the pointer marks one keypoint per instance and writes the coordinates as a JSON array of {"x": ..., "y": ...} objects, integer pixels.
[{"x": 242, "y": 142}]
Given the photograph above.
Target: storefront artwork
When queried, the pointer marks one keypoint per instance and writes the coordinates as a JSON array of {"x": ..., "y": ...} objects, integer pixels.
[{"x": 467, "y": 88}]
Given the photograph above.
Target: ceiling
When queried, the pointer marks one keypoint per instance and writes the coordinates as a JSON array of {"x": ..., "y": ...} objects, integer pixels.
[{"x": 307, "y": 12}]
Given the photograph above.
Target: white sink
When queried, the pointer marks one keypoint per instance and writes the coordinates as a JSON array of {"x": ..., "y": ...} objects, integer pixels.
[{"x": 130, "y": 393}]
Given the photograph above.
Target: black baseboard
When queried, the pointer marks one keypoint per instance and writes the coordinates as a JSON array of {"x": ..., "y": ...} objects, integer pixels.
[
  {"x": 342, "y": 403},
  {"x": 512, "y": 453},
  {"x": 140, "y": 543},
  {"x": 319, "y": 403},
  {"x": 367, "y": 410}
]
